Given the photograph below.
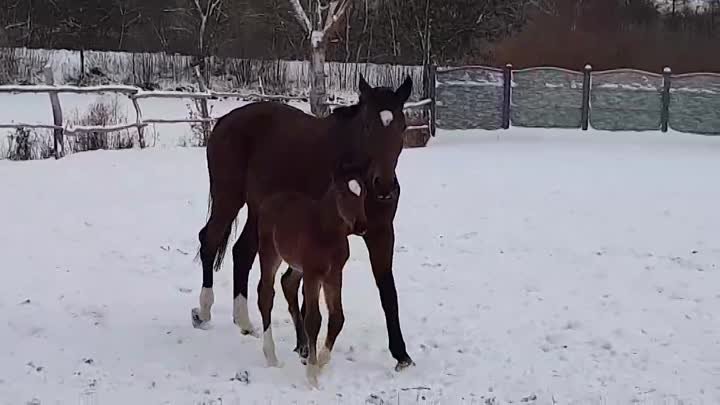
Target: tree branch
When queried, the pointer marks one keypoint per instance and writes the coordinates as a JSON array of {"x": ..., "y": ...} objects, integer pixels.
[{"x": 301, "y": 16}]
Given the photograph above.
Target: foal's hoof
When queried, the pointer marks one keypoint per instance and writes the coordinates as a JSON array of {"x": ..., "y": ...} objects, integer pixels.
[
  {"x": 274, "y": 363},
  {"x": 197, "y": 322},
  {"x": 403, "y": 364},
  {"x": 312, "y": 372},
  {"x": 246, "y": 330},
  {"x": 249, "y": 332}
]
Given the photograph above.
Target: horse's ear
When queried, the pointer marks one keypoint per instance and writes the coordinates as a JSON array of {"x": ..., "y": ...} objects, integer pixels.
[
  {"x": 364, "y": 87},
  {"x": 403, "y": 92}
]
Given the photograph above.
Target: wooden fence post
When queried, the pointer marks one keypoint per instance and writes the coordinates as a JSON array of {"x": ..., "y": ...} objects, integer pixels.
[
  {"x": 432, "y": 92},
  {"x": 58, "y": 139},
  {"x": 203, "y": 105},
  {"x": 139, "y": 121},
  {"x": 585, "y": 108},
  {"x": 507, "y": 94},
  {"x": 82, "y": 66},
  {"x": 665, "y": 112}
]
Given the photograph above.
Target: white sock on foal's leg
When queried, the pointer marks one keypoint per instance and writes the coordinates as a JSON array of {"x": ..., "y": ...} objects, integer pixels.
[
  {"x": 241, "y": 317},
  {"x": 269, "y": 348},
  {"x": 323, "y": 357}
]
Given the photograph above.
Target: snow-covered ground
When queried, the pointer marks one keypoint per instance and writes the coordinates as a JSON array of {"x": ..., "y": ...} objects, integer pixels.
[{"x": 532, "y": 267}]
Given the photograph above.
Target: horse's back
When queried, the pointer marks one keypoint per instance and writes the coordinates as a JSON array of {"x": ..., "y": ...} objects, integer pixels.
[{"x": 259, "y": 118}]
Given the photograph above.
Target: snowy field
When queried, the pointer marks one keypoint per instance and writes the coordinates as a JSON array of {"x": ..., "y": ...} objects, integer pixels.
[{"x": 545, "y": 267}]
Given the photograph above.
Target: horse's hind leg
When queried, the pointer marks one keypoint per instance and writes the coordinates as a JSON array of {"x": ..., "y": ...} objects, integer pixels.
[
  {"x": 213, "y": 239},
  {"x": 290, "y": 282},
  {"x": 332, "y": 288},
  {"x": 244, "y": 252},
  {"x": 313, "y": 318},
  {"x": 269, "y": 264}
]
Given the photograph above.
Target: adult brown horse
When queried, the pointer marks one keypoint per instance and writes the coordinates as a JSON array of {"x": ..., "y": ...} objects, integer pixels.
[{"x": 264, "y": 148}]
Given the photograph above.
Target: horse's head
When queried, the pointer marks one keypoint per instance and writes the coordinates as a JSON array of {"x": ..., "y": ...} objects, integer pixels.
[
  {"x": 349, "y": 191},
  {"x": 383, "y": 120}
]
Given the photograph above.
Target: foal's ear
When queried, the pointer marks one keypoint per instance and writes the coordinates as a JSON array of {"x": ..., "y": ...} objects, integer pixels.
[
  {"x": 403, "y": 92},
  {"x": 364, "y": 87}
]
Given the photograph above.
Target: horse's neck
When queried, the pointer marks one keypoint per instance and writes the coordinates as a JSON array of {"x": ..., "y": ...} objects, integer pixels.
[{"x": 330, "y": 219}]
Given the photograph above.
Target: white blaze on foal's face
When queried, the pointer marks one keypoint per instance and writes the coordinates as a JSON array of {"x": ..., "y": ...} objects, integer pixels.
[
  {"x": 354, "y": 187},
  {"x": 386, "y": 117}
]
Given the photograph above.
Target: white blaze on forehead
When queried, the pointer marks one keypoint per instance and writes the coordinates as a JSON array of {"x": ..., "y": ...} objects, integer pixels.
[
  {"x": 386, "y": 117},
  {"x": 354, "y": 187}
]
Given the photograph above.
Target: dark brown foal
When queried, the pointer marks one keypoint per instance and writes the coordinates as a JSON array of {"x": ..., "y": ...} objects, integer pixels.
[{"x": 312, "y": 237}]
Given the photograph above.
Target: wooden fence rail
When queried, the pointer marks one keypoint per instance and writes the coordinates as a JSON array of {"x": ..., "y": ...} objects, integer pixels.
[{"x": 60, "y": 129}]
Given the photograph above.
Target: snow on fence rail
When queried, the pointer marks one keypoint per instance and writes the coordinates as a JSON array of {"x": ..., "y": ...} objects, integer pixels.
[{"x": 62, "y": 129}]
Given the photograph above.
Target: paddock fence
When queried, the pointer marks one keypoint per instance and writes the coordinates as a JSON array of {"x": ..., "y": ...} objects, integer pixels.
[{"x": 417, "y": 110}]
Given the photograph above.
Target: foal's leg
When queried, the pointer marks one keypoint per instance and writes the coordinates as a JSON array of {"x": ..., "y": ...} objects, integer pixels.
[
  {"x": 269, "y": 264},
  {"x": 290, "y": 284},
  {"x": 212, "y": 237},
  {"x": 332, "y": 288},
  {"x": 244, "y": 252},
  {"x": 311, "y": 285}
]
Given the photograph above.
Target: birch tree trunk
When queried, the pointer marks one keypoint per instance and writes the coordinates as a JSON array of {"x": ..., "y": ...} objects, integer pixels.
[
  {"x": 334, "y": 11},
  {"x": 318, "y": 90}
]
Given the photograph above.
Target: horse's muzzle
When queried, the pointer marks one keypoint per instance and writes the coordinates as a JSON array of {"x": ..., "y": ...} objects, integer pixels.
[{"x": 360, "y": 228}]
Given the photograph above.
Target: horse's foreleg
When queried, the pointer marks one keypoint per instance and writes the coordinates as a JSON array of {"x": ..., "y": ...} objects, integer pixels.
[
  {"x": 332, "y": 288},
  {"x": 290, "y": 282},
  {"x": 312, "y": 321},
  {"x": 380, "y": 242},
  {"x": 244, "y": 252},
  {"x": 269, "y": 264}
]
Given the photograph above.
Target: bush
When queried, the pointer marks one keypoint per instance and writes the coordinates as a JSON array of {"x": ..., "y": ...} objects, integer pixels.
[
  {"x": 27, "y": 144},
  {"x": 101, "y": 113}
]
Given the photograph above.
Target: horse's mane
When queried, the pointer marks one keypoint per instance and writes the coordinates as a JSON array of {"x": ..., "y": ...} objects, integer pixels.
[{"x": 347, "y": 112}]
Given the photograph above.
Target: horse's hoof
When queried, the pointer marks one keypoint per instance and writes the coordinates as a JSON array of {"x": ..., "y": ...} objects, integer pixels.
[
  {"x": 402, "y": 365},
  {"x": 197, "y": 322},
  {"x": 275, "y": 363},
  {"x": 302, "y": 351}
]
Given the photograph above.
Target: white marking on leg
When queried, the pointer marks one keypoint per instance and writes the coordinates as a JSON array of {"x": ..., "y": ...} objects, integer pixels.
[
  {"x": 386, "y": 117},
  {"x": 312, "y": 372},
  {"x": 354, "y": 187},
  {"x": 207, "y": 298},
  {"x": 240, "y": 315},
  {"x": 269, "y": 348},
  {"x": 323, "y": 357}
]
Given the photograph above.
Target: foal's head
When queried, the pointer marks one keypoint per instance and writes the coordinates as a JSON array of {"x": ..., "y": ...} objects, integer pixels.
[
  {"x": 349, "y": 192},
  {"x": 380, "y": 111}
]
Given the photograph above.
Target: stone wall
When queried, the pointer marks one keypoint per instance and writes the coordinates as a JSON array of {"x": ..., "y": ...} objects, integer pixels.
[
  {"x": 469, "y": 98},
  {"x": 695, "y": 103},
  {"x": 620, "y": 100},
  {"x": 626, "y": 100},
  {"x": 546, "y": 97}
]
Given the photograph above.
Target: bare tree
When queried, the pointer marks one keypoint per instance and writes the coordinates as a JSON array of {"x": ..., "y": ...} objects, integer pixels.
[
  {"x": 326, "y": 19},
  {"x": 199, "y": 18}
]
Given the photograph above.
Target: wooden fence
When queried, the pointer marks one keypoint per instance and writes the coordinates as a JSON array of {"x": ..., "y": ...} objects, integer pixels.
[{"x": 60, "y": 130}]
